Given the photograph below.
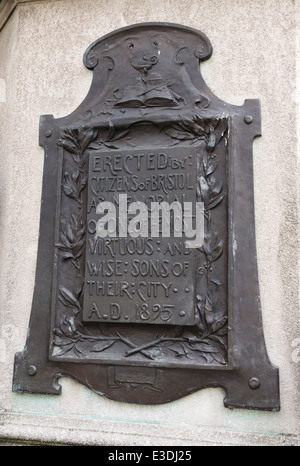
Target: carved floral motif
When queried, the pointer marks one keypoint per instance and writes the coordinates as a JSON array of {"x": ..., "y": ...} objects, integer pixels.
[{"x": 206, "y": 341}]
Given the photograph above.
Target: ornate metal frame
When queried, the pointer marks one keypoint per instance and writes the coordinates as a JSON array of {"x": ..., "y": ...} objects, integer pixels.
[{"x": 148, "y": 95}]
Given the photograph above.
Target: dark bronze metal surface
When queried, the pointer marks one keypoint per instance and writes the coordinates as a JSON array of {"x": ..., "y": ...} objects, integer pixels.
[{"x": 149, "y": 319}]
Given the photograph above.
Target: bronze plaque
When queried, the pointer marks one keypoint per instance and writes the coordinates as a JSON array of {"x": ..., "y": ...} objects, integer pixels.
[{"x": 126, "y": 300}]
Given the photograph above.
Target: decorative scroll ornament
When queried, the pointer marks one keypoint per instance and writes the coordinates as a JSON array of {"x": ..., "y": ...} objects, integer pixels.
[{"x": 136, "y": 313}]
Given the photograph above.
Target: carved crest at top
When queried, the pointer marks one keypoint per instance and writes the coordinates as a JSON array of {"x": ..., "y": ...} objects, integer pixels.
[{"x": 147, "y": 69}]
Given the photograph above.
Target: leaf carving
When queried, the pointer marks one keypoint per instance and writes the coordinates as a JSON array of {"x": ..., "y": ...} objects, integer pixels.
[
  {"x": 211, "y": 167},
  {"x": 215, "y": 201},
  {"x": 102, "y": 345},
  {"x": 68, "y": 141},
  {"x": 182, "y": 135},
  {"x": 72, "y": 237},
  {"x": 68, "y": 298}
]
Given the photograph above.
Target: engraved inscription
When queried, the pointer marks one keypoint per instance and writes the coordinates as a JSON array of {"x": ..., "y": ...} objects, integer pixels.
[{"x": 132, "y": 275}]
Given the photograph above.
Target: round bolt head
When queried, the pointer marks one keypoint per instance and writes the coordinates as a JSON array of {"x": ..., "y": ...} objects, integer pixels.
[
  {"x": 32, "y": 370},
  {"x": 248, "y": 119},
  {"x": 254, "y": 382}
]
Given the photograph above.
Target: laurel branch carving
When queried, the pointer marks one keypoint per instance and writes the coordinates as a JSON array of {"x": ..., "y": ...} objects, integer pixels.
[{"x": 207, "y": 341}]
